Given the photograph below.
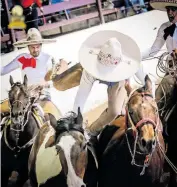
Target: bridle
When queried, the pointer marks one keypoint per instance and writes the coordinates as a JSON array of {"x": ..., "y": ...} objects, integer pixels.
[
  {"x": 144, "y": 95},
  {"x": 134, "y": 127},
  {"x": 27, "y": 110}
]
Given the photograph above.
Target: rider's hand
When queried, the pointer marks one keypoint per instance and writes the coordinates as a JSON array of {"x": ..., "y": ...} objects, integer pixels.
[{"x": 63, "y": 66}]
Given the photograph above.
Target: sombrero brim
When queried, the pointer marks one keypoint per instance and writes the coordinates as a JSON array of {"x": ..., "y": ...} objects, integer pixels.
[
  {"x": 124, "y": 70},
  {"x": 24, "y": 43},
  {"x": 161, "y": 5}
]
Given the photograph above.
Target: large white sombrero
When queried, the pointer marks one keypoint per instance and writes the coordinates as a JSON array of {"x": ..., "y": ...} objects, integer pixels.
[
  {"x": 33, "y": 37},
  {"x": 162, "y": 4},
  {"x": 110, "y": 56}
]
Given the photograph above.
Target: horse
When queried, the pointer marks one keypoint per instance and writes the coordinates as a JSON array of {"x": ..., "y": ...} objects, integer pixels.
[
  {"x": 132, "y": 154},
  {"x": 18, "y": 133},
  {"x": 62, "y": 156},
  {"x": 166, "y": 98}
]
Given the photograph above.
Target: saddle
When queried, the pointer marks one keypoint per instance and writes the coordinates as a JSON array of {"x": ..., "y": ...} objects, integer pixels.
[
  {"x": 47, "y": 106},
  {"x": 69, "y": 78},
  {"x": 4, "y": 106}
]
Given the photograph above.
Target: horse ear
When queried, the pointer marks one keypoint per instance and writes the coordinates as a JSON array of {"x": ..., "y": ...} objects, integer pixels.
[
  {"x": 148, "y": 84},
  {"x": 25, "y": 80},
  {"x": 128, "y": 88},
  {"x": 79, "y": 117},
  {"x": 11, "y": 80}
]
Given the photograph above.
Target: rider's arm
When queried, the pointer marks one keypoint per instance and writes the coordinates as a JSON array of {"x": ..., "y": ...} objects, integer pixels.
[
  {"x": 10, "y": 67},
  {"x": 157, "y": 45},
  {"x": 85, "y": 87}
]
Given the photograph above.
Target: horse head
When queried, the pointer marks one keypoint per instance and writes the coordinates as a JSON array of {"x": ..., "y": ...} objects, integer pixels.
[
  {"x": 142, "y": 117},
  {"x": 72, "y": 148},
  {"x": 19, "y": 100}
]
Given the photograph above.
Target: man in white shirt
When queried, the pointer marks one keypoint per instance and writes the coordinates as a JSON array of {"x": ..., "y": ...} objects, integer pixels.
[
  {"x": 106, "y": 57},
  {"x": 167, "y": 32},
  {"x": 36, "y": 64}
]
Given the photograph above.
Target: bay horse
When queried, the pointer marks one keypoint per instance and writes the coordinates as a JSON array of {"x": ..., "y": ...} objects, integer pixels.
[
  {"x": 62, "y": 157},
  {"x": 132, "y": 154},
  {"x": 166, "y": 97},
  {"x": 19, "y": 131}
]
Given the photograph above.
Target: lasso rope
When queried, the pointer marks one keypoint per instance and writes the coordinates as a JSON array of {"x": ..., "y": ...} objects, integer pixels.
[{"x": 166, "y": 158}]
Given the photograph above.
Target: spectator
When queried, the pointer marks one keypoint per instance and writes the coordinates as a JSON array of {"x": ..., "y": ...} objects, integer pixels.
[
  {"x": 141, "y": 4},
  {"x": 57, "y": 16},
  {"x": 129, "y": 9},
  {"x": 31, "y": 13},
  {"x": 45, "y": 2}
]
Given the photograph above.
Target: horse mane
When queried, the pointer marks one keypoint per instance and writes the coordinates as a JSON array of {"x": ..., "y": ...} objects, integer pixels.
[{"x": 68, "y": 123}]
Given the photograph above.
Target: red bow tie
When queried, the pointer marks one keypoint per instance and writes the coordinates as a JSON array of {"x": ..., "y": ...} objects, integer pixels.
[{"x": 27, "y": 62}]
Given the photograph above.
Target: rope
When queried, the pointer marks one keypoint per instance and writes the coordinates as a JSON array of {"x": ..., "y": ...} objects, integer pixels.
[
  {"x": 133, "y": 153},
  {"x": 147, "y": 159},
  {"x": 164, "y": 97},
  {"x": 166, "y": 158}
]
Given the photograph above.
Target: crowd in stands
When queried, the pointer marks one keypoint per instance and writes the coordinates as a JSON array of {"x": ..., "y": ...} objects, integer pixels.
[{"x": 127, "y": 7}]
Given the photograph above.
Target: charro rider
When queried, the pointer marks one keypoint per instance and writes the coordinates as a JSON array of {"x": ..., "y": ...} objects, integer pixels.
[
  {"x": 167, "y": 32},
  {"x": 37, "y": 65},
  {"x": 106, "y": 57}
]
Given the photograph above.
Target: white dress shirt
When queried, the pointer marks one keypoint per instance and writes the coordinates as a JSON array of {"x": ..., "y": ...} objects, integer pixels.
[
  {"x": 171, "y": 42},
  {"x": 35, "y": 75},
  {"x": 175, "y": 37}
]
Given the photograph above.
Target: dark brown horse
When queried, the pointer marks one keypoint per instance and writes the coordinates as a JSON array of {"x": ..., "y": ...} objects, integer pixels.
[
  {"x": 133, "y": 155},
  {"x": 18, "y": 133},
  {"x": 166, "y": 96},
  {"x": 61, "y": 157}
]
